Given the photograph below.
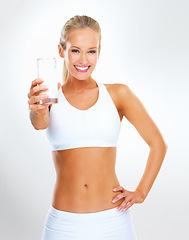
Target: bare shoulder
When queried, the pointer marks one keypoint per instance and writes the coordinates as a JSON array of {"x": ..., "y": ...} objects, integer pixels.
[
  {"x": 118, "y": 88},
  {"x": 128, "y": 104},
  {"x": 120, "y": 92}
]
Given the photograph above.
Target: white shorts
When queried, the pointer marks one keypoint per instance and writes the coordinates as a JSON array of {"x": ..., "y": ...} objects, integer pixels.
[{"x": 108, "y": 224}]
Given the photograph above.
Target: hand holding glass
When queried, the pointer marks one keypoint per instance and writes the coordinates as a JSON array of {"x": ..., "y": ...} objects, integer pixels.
[{"x": 47, "y": 70}]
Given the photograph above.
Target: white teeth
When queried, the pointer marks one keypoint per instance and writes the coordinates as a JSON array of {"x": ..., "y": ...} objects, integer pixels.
[{"x": 80, "y": 68}]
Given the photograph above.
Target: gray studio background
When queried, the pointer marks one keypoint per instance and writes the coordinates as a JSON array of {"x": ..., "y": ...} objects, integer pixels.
[{"x": 145, "y": 45}]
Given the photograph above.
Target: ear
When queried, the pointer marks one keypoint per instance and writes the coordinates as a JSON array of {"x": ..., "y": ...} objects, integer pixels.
[{"x": 61, "y": 51}]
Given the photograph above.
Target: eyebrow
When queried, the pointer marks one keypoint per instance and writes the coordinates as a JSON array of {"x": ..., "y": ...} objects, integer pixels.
[{"x": 79, "y": 48}]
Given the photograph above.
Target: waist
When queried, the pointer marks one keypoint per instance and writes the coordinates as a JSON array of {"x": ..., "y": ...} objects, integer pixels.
[
  {"x": 88, "y": 196},
  {"x": 85, "y": 179}
]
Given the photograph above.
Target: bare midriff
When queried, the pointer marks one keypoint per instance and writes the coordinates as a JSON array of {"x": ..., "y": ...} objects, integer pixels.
[{"x": 85, "y": 179}]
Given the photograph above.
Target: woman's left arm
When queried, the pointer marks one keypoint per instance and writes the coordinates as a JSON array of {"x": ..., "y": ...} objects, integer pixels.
[{"x": 132, "y": 108}]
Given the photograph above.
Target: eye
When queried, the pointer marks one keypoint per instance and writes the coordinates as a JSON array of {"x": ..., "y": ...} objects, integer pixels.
[
  {"x": 74, "y": 50},
  {"x": 92, "y": 51}
]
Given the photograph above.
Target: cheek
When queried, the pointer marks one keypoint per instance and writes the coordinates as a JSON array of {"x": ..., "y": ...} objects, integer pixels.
[
  {"x": 72, "y": 58},
  {"x": 93, "y": 59}
]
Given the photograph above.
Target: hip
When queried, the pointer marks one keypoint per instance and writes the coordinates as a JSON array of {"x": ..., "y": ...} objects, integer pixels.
[{"x": 107, "y": 224}]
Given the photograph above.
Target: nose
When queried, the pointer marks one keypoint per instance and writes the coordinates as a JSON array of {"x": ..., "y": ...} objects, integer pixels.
[{"x": 83, "y": 59}]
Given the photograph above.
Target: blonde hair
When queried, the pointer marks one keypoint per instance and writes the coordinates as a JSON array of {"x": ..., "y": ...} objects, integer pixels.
[{"x": 75, "y": 23}]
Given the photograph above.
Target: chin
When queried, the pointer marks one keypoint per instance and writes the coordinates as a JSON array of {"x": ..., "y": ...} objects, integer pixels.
[{"x": 81, "y": 78}]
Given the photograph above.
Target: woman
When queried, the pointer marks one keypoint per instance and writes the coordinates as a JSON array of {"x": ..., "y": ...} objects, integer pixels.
[{"x": 83, "y": 129}]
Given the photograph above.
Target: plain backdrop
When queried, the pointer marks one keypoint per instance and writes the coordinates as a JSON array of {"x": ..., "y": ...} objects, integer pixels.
[{"x": 145, "y": 45}]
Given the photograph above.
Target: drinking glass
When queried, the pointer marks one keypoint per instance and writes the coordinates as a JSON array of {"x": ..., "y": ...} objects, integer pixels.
[{"x": 47, "y": 70}]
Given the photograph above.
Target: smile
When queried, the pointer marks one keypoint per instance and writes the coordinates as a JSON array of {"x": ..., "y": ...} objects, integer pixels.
[{"x": 81, "y": 69}]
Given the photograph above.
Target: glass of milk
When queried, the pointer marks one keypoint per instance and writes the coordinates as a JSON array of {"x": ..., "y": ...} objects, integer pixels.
[{"x": 47, "y": 70}]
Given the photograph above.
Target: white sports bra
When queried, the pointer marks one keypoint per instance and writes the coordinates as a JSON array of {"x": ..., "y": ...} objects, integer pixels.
[{"x": 97, "y": 126}]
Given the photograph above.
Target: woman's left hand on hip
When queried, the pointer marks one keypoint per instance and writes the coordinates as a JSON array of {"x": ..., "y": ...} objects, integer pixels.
[{"x": 129, "y": 198}]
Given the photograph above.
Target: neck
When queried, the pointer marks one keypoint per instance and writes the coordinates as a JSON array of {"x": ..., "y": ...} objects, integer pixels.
[{"x": 76, "y": 85}]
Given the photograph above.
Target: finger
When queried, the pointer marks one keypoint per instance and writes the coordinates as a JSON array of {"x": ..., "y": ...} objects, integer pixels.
[
  {"x": 36, "y": 81},
  {"x": 30, "y": 94},
  {"x": 119, "y": 188},
  {"x": 125, "y": 202},
  {"x": 118, "y": 197},
  {"x": 121, "y": 206},
  {"x": 59, "y": 86},
  {"x": 36, "y": 90},
  {"x": 36, "y": 99},
  {"x": 36, "y": 107},
  {"x": 128, "y": 206}
]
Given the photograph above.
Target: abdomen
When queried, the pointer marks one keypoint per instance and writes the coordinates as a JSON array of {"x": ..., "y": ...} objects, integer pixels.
[{"x": 85, "y": 179}]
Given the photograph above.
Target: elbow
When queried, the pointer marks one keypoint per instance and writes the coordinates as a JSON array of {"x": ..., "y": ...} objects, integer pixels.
[
  {"x": 40, "y": 127},
  {"x": 161, "y": 144},
  {"x": 166, "y": 146},
  {"x": 36, "y": 128}
]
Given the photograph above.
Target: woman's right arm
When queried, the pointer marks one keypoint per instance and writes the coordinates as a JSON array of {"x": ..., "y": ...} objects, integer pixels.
[{"x": 39, "y": 113}]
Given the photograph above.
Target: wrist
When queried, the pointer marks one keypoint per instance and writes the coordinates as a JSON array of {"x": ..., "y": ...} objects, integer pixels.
[{"x": 142, "y": 193}]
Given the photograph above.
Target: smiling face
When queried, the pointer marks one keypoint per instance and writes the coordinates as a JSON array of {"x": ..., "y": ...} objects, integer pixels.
[{"x": 81, "y": 53}]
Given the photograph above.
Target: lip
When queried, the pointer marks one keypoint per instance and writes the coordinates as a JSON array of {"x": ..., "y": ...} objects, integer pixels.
[{"x": 83, "y": 67}]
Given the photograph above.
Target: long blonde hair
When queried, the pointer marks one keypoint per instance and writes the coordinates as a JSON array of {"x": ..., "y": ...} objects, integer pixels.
[{"x": 75, "y": 23}]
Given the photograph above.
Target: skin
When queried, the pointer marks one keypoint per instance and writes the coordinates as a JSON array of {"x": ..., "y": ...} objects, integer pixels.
[{"x": 86, "y": 177}]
